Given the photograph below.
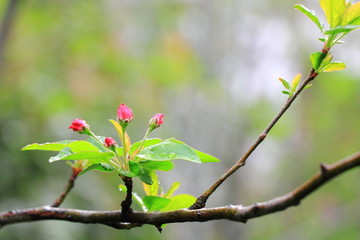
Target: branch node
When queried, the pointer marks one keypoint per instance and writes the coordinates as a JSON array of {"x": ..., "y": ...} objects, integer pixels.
[
  {"x": 256, "y": 207},
  {"x": 324, "y": 168},
  {"x": 200, "y": 203},
  {"x": 263, "y": 136}
]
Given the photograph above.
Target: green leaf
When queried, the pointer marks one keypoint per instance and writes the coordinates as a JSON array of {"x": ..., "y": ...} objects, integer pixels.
[
  {"x": 310, "y": 14},
  {"x": 99, "y": 146},
  {"x": 327, "y": 59},
  {"x": 307, "y": 86},
  {"x": 154, "y": 203},
  {"x": 75, "y": 146},
  {"x": 352, "y": 15},
  {"x": 172, "y": 189},
  {"x": 333, "y": 10},
  {"x": 145, "y": 176},
  {"x": 334, "y": 66},
  {"x": 67, "y": 154},
  {"x": 316, "y": 59},
  {"x": 147, "y": 143},
  {"x": 342, "y": 29},
  {"x": 204, "y": 157},
  {"x": 285, "y": 83},
  {"x": 157, "y": 165},
  {"x": 178, "y": 202},
  {"x": 152, "y": 189},
  {"x": 295, "y": 83},
  {"x": 104, "y": 167},
  {"x": 168, "y": 150},
  {"x": 285, "y": 92}
]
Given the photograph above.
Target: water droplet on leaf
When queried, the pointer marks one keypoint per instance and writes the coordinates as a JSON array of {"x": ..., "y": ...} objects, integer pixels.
[
  {"x": 172, "y": 155},
  {"x": 163, "y": 154}
]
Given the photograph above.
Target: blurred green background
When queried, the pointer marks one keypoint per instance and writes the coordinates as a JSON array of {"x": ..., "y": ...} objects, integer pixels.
[{"x": 211, "y": 67}]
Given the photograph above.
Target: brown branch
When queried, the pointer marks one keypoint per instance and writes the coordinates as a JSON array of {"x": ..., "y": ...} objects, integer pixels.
[
  {"x": 69, "y": 185},
  {"x": 233, "y": 212},
  {"x": 126, "y": 204},
  {"x": 201, "y": 201}
]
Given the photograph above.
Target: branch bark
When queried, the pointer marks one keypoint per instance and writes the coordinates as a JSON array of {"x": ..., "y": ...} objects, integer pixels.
[
  {"x": 201, "y": 200},
  {"x": 117, "y": 219}
]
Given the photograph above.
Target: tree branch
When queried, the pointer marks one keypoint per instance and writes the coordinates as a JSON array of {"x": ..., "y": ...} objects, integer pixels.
[
  {"x": 237, "y": 213},
  {"x": 201, "y": 201}
]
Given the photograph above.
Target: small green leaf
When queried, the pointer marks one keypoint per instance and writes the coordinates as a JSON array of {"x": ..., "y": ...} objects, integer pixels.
[
  {"x": 157, "y": 165},
  {"x": 75, "y": 146},
  {"x": 285, "y": 83},
  {"x": 295, "y": 83},
  {"x": 67, "y": 154},
  {"x": 341, "y": 29},
  {"x": 145, "y": 176},
  {"x": 307, "y": 86},
  {"x": 334, "y": 66},
  {"x": 178, "y": 202},
  {"x": 166, "y": 150},
  {"x": 285, "y": 92},
  {"x": 154, "y": 203},
  {"x": 310, "y": 14},
  {"x": 324, "y": 62},
  {"x": 172, "y": 189},
  {"x": 104, "y": 167},
  {"x": 316, "y": 59}
]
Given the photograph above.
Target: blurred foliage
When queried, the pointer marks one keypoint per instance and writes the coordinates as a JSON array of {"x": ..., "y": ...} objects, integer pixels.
[{"x": 214, "y": 76}]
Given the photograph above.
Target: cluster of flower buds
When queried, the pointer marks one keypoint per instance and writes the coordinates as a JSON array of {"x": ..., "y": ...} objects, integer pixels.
[{"x": 124, "y": 116}]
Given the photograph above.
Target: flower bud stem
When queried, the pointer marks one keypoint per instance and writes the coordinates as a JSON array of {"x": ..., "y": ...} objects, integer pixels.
[{"x": 117, "y": 161}]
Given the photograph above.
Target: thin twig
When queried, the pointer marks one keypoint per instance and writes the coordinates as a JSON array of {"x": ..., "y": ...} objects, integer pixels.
[
  {"x": 69, "y": 185},
  {"x": 233, "y": 212},
  {"x": 201, "y": 201}
]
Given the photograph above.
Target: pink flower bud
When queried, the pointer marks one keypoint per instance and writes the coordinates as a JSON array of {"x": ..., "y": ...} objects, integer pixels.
[
  {"x": 124, "y": 113},
  {"x": 79, "y": 125},
  {"x": 156, "y": 121},
  {"x": 109, "y": 142}
]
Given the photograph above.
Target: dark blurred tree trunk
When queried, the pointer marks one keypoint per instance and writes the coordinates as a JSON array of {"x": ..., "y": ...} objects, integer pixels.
[{"x": 6, "y": 25}]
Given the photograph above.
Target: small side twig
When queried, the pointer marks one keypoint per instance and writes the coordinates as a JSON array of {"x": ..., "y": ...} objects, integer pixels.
[
  {"x": 201, "y": 200},
  {"x": 69, "y": 185},
  {"x": 126, "y": 204}
]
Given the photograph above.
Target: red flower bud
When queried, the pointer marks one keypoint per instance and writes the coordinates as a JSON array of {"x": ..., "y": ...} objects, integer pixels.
[
  {"x": 124, "y": 113},
  {"x": 109, "y": 142},
  {"x": 156, "y": 121},
  {"x": 79, "y": 125}
]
